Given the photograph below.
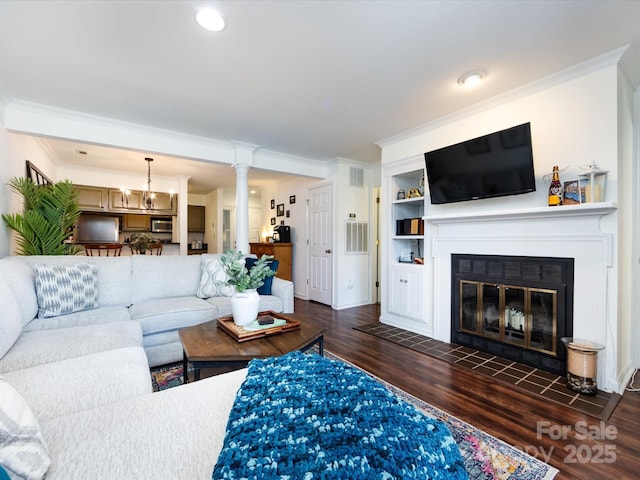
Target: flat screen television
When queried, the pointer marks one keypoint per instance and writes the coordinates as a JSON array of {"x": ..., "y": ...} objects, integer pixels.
[{"x": 493, "y": 165}]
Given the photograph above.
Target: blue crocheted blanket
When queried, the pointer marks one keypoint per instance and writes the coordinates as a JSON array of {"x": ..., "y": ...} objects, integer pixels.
[{"x": 303, "y": 417}]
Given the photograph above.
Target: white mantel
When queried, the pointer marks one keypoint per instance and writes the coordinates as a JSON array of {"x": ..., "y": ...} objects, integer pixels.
[
  {"x": 584, "y": 210},
  {"x": 570, "y": 232}
]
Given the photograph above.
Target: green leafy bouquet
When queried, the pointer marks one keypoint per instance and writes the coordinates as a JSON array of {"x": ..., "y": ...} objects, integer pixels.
[{"x": 242, "y": 278}]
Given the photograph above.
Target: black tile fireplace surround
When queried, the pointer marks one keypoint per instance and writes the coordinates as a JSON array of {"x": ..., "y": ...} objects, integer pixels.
[{"x": 513, "y": 307}]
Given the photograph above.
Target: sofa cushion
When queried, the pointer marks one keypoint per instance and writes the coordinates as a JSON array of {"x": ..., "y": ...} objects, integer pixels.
[
  {"x": 23, "y": 453},
  {"x": 265, "y": 289},
  {"x": 166, "y": 314},
  {"x": 154, "y": 339},
  {"x": 108, "y": 314},
  {"x": 95, "y": 380},
  {"x": 45, "y": 346},
  {"x": 66, "y": 289},
  {"x": 213, "y": 279},
  {"x": 105, "y": 443},
  {"x": 165, "y": 353},
  {"x": 11, "y": 323},
  {"x": 156, "y": 277},
  {"x": 21, "y": 278},
  {"x": 114, "y": 274}
]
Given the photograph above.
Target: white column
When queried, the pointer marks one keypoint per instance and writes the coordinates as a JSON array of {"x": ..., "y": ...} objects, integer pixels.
[
  {"x": 242, "y": 208},
  {"x": 242, "y": 163}
]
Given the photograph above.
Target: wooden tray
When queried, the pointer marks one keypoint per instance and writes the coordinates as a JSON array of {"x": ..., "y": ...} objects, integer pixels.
[{"x": 242, "y": 335}]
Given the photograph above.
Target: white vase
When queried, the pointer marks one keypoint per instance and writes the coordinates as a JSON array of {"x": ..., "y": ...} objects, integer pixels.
[{"x": 244, "y": 307}]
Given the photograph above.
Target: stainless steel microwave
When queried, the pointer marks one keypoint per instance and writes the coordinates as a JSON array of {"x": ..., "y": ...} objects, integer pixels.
[{"x": 161, "y": 224}]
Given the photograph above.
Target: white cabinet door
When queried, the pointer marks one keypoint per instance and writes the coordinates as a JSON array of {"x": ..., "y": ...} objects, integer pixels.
[
  {"x": 406, "y": 291},
  {"x": 415, "y": 292}
]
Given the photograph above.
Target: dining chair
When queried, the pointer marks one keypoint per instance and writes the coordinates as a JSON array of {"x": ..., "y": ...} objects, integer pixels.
[
  {"x": 109, "y": 249},
  {"x": 155, "y": 248}
]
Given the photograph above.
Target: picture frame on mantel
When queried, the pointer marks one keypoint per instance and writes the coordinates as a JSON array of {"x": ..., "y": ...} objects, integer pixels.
[{"x": 574, "y": 193}]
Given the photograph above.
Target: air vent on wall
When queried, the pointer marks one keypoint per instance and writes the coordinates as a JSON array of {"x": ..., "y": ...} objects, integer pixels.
[
  {"x": 356, "y": 177},
  {"x": 357, "y": 235}
]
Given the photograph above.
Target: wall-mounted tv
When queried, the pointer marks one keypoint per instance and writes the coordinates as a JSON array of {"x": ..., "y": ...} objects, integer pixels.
[{"x": 493, "y": 165}]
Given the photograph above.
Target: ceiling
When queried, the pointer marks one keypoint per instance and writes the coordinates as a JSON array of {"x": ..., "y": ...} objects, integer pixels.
[{"x": 314, "y": 79}]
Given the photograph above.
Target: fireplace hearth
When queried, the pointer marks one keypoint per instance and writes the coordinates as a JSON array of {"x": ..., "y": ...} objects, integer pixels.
[{"x": 513, "y": 307}]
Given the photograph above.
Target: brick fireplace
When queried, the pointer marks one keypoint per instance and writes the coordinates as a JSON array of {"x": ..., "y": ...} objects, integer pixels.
[{"x": 577, "y": 233}]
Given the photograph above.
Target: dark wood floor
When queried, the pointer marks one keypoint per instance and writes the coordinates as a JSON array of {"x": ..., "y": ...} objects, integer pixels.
[{"x": 524, "y": 422}]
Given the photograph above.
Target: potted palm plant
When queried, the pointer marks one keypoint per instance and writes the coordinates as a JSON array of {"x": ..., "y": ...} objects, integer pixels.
[
  {"x": 246, "y": 301},
  {"x": 48, "y": 216}
]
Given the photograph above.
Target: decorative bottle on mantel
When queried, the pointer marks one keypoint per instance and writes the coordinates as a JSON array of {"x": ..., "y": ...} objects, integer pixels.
[{"x": 555, "y": 189}]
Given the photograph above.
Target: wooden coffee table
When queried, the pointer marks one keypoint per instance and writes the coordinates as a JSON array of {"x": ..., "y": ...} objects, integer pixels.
[{"x": 206, "y": 345}]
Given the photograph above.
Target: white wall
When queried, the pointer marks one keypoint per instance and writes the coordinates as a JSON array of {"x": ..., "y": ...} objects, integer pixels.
[
  {"x": 570, "y": 126},
  {"x": 281, "y": 192},
  {"x": 15, "y": 149},
  {"x": 352, "y": 272},
  {"x": 635, "y": 234},
  {"x": 575, "y": 120},
  {"x": 624, "y": 287}
]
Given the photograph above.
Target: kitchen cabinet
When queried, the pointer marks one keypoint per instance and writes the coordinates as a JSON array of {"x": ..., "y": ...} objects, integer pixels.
[
  {"x": 136, "y": 223},
  {"x": 118, "y": 202},
  {"x": 283, "y": 252},
  {"x": 92, "y": 199},
  {"x": 195, "y": 218},
  {"x": 406, "y": 291},
  {"x": 165, "y": 203}
]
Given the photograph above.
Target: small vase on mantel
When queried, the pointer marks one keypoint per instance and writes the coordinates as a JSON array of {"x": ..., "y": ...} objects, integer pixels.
[{"x": 245, "y": 306}]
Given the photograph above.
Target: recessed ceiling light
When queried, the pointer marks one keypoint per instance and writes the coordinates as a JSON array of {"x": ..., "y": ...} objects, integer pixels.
[
  {"x": 472, "y": 79},
  {"x": 210, "y": 19}
]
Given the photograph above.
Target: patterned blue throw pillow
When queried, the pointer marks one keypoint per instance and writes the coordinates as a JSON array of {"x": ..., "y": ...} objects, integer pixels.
[
  {"x": 62, "y": 289},
  {"x": 302, "y": 416}
]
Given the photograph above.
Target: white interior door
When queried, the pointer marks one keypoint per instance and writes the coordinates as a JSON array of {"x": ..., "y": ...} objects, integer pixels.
[
  {"x": 255, "y": 224},
  {"x": 228, "y": 229},
  {"x": 320, "y": 244}
]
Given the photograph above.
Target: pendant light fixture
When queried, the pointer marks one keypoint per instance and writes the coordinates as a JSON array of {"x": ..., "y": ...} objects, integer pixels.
[{"x": 147, "y": 195}]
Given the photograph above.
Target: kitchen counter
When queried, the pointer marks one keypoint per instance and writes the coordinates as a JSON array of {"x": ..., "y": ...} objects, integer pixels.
[{"x": 197, "y": 251}]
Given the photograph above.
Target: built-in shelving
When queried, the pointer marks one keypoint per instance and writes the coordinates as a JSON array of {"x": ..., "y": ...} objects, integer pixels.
[
  {"x": 407, "y": 210},
  {"x": 403, "y": 269}
]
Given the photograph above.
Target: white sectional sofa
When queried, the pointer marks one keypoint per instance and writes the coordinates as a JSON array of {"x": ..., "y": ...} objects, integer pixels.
[
  {"x": 159, "y": 293},
  {"x": 84, "y": 376}
]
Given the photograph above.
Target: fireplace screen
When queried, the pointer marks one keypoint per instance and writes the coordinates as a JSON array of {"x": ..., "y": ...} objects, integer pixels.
[
  {"x": 521, "y": 316},
  {"x": 513, "y": 307}
]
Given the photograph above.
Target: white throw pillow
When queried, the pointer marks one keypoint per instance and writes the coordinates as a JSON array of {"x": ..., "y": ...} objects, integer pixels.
[
  {"x": 65, "y": 289},
  {"x": 213, "y": 280},
  {"x": 23, "y": 453},
  {"x": 11, "y": 323}
]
